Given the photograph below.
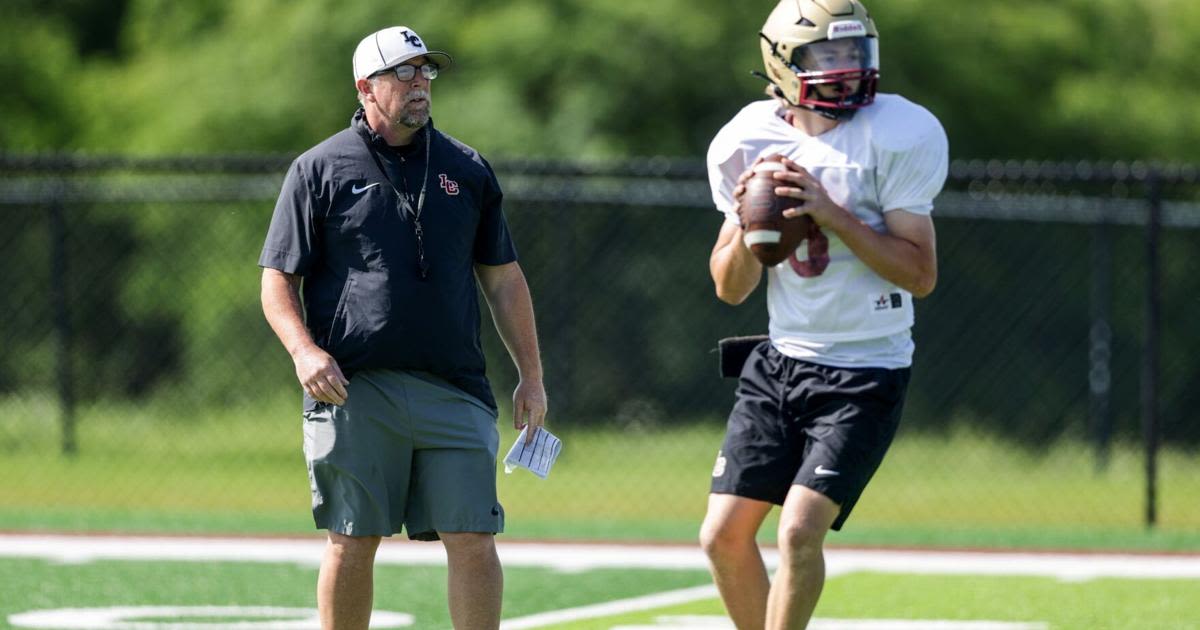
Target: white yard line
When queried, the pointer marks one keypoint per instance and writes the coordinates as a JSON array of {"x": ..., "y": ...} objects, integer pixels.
[
  {"x": 584, "y": 557},
  {"x": 695, "y": 622},
  {"x": 609, "y": 609}
]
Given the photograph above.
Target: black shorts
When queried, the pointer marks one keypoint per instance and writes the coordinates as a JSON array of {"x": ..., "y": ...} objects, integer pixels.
[{"x": 797, "y": 422}]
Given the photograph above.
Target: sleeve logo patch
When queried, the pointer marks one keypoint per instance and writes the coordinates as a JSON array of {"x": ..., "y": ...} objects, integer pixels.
[
  {"x": 886, "y": 302},
  {"x": 719, "y": 466}
]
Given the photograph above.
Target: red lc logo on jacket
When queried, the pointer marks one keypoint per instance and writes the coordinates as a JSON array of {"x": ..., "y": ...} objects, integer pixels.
[{"x": 448, "y": 185}]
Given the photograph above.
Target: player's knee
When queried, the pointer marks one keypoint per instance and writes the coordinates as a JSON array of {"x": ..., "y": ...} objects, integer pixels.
[
  {"x": 712, "y": 533},
  {"x": 708, "y": 539},
  {"x": 717, "y": 540},
  {"x": 800, "y": 540},
  {"x": 353, "y": 548}
]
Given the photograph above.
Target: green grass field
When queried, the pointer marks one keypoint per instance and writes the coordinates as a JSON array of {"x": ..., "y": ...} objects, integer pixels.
[
  {"x": 1099, "y": 605},
  {"x": 151, "y": 469},
  {"x": 420, "y": 590},
  {"x": 35, "y": 585},
  {"x": 157, "y": 468}
]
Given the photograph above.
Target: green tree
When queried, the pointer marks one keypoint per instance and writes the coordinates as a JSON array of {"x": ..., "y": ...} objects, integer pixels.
[{"x": 592, "y": 79}]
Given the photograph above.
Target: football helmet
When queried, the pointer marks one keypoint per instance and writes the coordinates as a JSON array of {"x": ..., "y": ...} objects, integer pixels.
[{"x": 822, "y": 55}]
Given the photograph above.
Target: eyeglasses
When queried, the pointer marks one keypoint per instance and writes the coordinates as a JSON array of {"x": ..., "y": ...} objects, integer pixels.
[{"x": 406, "y": 72}]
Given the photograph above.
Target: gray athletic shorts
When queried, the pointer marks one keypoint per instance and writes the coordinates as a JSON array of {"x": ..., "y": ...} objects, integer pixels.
[{"x": 408, "y": 449}]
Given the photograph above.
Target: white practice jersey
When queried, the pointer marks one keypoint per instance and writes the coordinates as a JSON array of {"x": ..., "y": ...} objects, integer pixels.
[{"x": 891, "y": 156}]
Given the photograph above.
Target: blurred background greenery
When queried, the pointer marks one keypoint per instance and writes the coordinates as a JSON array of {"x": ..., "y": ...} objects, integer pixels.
[{"x": 1095, "y": 79}]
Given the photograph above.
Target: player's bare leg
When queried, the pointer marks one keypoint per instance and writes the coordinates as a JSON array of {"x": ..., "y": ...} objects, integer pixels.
[
  {"x": 727, "y": 537},
  {"x": 803, "y": 523},
  {"x": 345, "y": 584},
  {"x": 476, "y": 581}
]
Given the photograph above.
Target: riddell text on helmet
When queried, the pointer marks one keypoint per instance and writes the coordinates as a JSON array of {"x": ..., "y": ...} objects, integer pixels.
[{"x": 847, "y": 28}]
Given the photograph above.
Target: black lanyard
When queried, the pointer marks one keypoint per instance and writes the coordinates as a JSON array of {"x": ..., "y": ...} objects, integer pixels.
[{"x": 406, "y": 207}]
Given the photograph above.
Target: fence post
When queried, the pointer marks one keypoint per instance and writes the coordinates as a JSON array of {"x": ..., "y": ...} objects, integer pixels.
[
  {"x": 62, "y": 322},
  {"x": 1100, "y": 344},
  {"x": 1150, "y": 352}
]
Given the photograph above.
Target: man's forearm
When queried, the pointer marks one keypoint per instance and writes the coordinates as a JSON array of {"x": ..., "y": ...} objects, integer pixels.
[
  {"x": 282, "y": 308},
  {"x": 895, "y": 258},
  {"x": 512, "y": 310},
  {"x": 735, "y": 271}
]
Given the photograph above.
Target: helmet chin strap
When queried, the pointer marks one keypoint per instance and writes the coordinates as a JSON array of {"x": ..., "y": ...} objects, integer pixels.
[{"x": 832, "y": 113}]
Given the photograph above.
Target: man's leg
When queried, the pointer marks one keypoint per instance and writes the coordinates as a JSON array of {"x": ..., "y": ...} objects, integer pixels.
[
  {"x": 727, "y": 537},
  {"x": 345, "y": 585},
  {"x": 476, "y": 581},
  {"x": 803, "y": 523}
]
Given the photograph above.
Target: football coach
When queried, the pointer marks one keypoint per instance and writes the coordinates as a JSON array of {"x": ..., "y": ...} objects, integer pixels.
[{"x": 382, "y": 236}]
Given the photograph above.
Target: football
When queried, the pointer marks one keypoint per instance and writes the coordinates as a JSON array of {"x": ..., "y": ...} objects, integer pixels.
[{"x": 770, "y": 236}]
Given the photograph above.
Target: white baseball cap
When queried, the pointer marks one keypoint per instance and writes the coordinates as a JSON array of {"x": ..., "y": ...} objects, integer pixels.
[{"x": 391, "y": 47}]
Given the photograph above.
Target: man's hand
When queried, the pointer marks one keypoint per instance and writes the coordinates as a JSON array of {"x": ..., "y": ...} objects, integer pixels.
[
  {"x": 796, "y": 182},
  {"x": 739, "y": 191},
  {"x": 905, "y": 253},
  {"x": 507, "y": 295},
  {"x": 320, "y": 376},
  {"x": 317, "y": 372},
  {"x": 529, "y": 407}
]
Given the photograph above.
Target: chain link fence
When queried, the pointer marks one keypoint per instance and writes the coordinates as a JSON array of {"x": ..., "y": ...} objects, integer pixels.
[{"x": 140, "y": 387}]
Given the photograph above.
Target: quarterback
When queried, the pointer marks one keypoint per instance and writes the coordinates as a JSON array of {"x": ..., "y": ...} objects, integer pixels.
[{"x": 817, "y": 404}]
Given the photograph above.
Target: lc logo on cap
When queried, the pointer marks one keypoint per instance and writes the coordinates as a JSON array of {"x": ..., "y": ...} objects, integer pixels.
[{"x": 391, "y": 47}]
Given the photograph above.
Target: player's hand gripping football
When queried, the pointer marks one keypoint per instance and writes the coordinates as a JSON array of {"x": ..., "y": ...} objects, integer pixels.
[
  {"x": 739, "y": 191},
  {"x": 796, "y": 182}
]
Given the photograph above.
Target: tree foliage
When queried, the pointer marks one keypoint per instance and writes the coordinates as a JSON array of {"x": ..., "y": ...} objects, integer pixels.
[{"x": 594, "y": 78}]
